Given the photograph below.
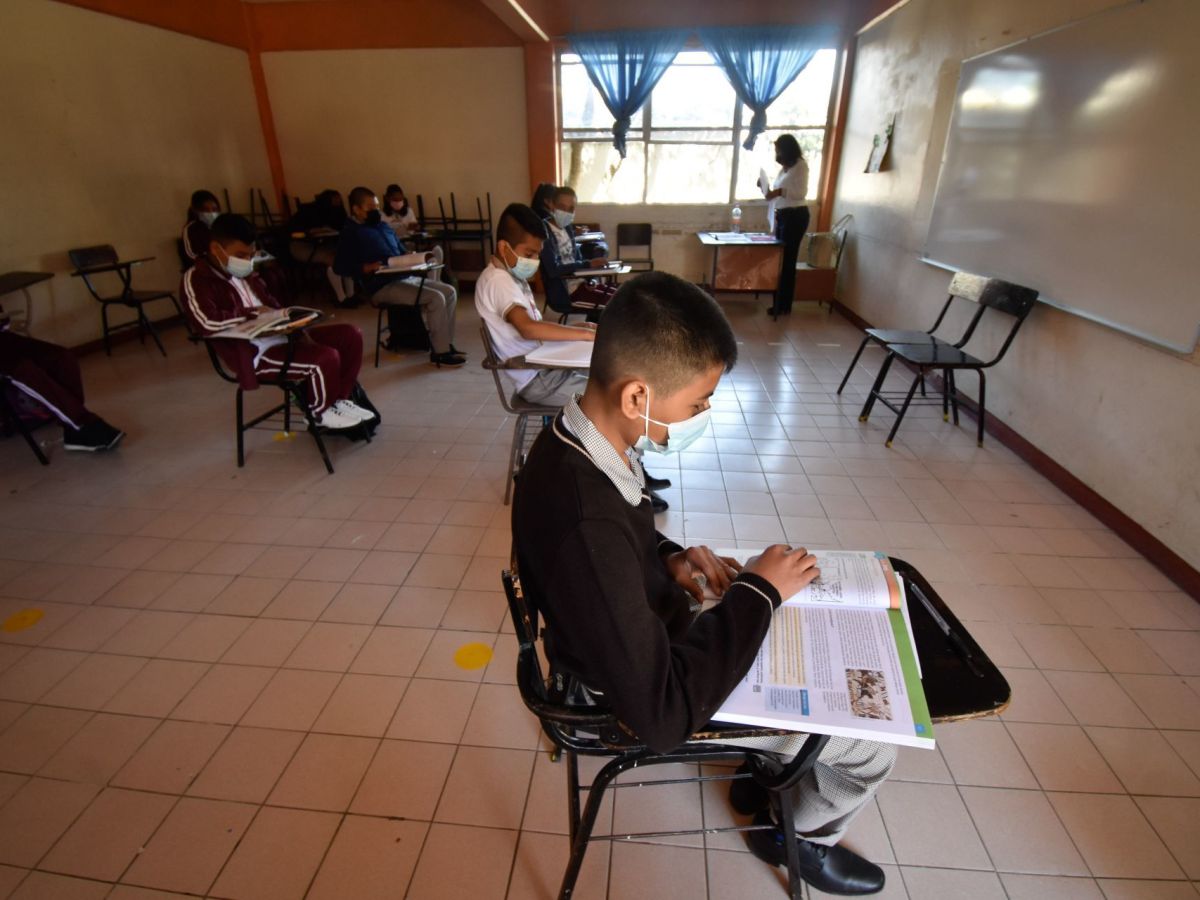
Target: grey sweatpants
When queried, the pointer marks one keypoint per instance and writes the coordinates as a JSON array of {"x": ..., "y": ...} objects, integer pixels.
[
  {"x": 554, "y": 387},
  {"x": 437, "y": 302}
]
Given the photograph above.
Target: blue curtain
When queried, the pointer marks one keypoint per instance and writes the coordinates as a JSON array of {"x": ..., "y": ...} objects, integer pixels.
[
  {"x": 761, "y": 61},
  {"x": 625, "y": 67}
]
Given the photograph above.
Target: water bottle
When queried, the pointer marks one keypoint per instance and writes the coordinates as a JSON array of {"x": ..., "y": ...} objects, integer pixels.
[{"x": 737, "y": 219}]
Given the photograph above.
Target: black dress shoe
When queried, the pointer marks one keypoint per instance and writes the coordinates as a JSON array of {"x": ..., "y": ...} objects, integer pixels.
[
  {"x": 746, "y": 795},
  {"x": 834, "y": 870},
  {"x": 657, "y": 503},
  {"x": 656, "y": 484}
]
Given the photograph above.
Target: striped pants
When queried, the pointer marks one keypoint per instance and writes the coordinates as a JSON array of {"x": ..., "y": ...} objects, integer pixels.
[{"x": 327, "y": 357}]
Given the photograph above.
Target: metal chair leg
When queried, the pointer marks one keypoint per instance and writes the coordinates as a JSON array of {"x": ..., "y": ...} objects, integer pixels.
[
  {"x": 104, "y": 327},
  {"x": 314, "y": 430},
  {"x": 903, "y": 409},
  {"x": 787, "y": 824},
  {"x": 241, "y": 431},
  {"x": 982, "y": 407},
  {"x": 149, "y": 326},
  {"x": 588, "y": 821},
  {"x": 876, "y": 387},
  {"x": 513, "y": 456},
  {"x": 378, "y": 333},
  {"x": 854, "y": 362},
  {"x": 10, "y": 415},
  {"x": 953, "y": 395},
  {"x": 946, "y": 385}
]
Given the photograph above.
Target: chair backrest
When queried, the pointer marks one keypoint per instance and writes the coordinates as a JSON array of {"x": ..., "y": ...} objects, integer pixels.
[
  {"x": 86, "y": 257},
  {"x": 492, "y": 362},
  {"x": 992, "y": 293},
  {"x": 634, "y": 234}
]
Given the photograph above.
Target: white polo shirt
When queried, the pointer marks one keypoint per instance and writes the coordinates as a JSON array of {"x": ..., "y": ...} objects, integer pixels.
[
  {"x": 794, "y": 184},
  {"x": 496, "y": 293}
]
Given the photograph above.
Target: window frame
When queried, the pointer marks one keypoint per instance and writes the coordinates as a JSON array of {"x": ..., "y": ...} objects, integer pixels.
[{"x": 736, "y": 127}]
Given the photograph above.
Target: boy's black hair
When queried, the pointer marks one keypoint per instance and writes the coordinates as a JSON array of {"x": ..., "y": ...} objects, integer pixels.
[
  {"x": 788, "y": 149},
  {"x": 542, "y": 197},
  {"x": 199, "y": 198},
  {"x": 564, "y": 190},
  {"x": 517, "y": 222},
  {"x": 359, "y": 196},
  {"x": 229, "y": 227},
  {"x": 663, "y": 329}
]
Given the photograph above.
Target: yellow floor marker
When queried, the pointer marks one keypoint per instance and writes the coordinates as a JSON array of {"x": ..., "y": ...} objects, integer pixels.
[
  {"x": 473, "y": 656},
  {"x": 19, "y": 621}
]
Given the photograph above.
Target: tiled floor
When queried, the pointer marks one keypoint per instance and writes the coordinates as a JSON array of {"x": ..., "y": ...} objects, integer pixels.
[{"x": 247, "y": 683}]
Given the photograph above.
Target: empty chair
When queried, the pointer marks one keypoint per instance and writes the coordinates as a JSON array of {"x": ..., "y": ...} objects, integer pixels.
[
  {"x": 90, "y": 262},
  {"x": 636, "y": 234},
  {"x": 964, "y": 286},
  {"x": 931, "y": 355}
]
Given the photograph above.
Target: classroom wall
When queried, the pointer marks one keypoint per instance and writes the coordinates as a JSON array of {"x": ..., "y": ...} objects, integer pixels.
[
  {"x": 433, "y": 120},
  {"x": 109, "y": 127},
  {"x": 1122, "y": 416}
]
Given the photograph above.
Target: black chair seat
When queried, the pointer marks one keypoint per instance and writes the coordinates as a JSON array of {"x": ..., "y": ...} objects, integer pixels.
[
  {"x": 938, "y": 356},
  {"x": 901, "y": 336}
]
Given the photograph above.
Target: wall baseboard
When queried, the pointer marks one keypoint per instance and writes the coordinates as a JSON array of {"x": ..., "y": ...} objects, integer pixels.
[{"x": 1166, "y": 560}]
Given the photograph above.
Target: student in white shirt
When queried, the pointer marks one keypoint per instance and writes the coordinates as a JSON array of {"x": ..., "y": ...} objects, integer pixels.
[
  {"x": 403, "y": 220},
  {"x": 789, "y": 212},
  {"x": 507, "y": 307}
]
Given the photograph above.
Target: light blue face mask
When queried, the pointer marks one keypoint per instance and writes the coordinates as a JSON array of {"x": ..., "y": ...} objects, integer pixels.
[
  {"x": 563, "y": 219},
  {"x": 680, "y": 435},
  {"x": 208, "y": 217},
  {"x": 523, "y": 269},
  {"x": 238, "y": 267}
]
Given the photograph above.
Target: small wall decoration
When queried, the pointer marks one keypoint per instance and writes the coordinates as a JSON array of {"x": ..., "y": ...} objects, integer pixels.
[{"x": 880, "y": 146}]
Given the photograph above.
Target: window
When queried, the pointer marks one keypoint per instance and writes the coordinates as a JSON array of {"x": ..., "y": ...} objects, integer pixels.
[{"x": 685, "y": 144}]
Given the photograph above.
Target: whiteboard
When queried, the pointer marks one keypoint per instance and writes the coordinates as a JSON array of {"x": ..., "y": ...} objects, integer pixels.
[{"x": 1072, "y": 166}]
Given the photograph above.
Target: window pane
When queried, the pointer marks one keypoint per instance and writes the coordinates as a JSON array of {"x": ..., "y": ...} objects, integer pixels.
[
  {"x": 582, "y": 105},
  {"x": 598, "y": 173},
  {"x": 692, "y": 97},
  {"x": 689, "y": 173},
  {"x": 806, "y": 100},
  {"x": 693, "y": 136},
  {"x": 763, "y": 157}
]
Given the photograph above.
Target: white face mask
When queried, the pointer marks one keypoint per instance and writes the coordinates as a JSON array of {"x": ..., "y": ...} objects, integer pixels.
[
  {"x": 238, "y": 267},
  {"x": 523, "y": 269},
  {"x": 680, "y": 435},
  {"x": 563, "y": 218},
  {"x": 208, "y": 217}
]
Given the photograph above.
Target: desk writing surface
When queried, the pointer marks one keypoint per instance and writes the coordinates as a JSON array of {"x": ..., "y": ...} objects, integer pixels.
[
  {"x": 18, "y": 281},
  {"x": 562, "y": 355},
  {"x": 736, "y": 239}
]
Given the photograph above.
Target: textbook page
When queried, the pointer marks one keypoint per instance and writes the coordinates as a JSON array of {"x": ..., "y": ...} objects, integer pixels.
[
  {"x": 853, "y": 578},
  {"x": 831, "y": 667},
  {"x": 270, "y": 321}
]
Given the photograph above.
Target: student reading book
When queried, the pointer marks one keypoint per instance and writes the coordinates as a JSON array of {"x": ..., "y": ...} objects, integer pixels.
[{"x": 620, "y": 601}]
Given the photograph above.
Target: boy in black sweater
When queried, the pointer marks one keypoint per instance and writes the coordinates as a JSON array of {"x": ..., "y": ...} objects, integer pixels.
[{"x": 620, "y": 601}]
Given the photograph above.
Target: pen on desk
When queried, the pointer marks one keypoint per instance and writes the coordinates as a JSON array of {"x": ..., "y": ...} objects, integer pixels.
[{"x": 951, "y": 635}]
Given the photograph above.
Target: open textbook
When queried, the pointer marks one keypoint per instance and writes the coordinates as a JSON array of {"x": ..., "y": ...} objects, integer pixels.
[
  {"x": 271, "y": 321},
  {"x": 839, "y": 658}
]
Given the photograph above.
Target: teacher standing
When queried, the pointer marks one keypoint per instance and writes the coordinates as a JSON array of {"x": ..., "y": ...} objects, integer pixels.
[{"x": 789, "y": 211}]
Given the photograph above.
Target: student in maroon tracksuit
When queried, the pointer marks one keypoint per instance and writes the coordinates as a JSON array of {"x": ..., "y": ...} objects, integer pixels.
[
  {"x": 202, "y": 212},
  {"x": 222, "y": 289},
  {"x": 49, "y": 375}
]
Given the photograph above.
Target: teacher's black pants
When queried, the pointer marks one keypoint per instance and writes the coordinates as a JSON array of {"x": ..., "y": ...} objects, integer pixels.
[{"x": 790, "y": 225}]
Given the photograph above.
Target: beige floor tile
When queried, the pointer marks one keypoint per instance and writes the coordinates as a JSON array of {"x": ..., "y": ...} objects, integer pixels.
[
  {"x": 267, "y": 642},
  {"x": 331, "y": 564},
  {"x": 951, "y": 884},
  {"x": 440, "y": 659},
  {"x": 369, "y": 859},
  {"x": 500, "y": 719},
  {"x": 404, "y": 780},
  {"x": 157, "y": 688},
  {"x": 147, "y": 633},
  {"x": 278, "y": 562},
  {"x": 328, "y": 647},
  {"x": 1187, "y": 745},
  {"x": 99, "y": 749},
  {"x": 438, "y": 570},
  {"x": 224, "y": 694},
  {"x": 191, "y": 592},
  {"x": 655, "y": 870},
  {"x": 410, "y": 537},
  {"x": 1038, "y": 887},
  {"x": 245, "y": 596},
  {"x": 89, "y": 629},
  {"x": 1145, "y": 762},
  {"x": 1175, "y": 818},
  {"x": 384, "y": 567},
  {"x": 190, "y": 847},
  {"x": 487, "y": 786},
  {"x": 1033, "y": 700},
  {"x": 392, "y": 651},
  {"x": 929, "y": 825},
  {"x": 105, "y": 839},
  {"x": 292, "y": 700},
  {"x": 171, "y": 757},
  {"x": 325, "y": 772},
  {"x": 44, "y": 886},
  {"x": 10, "y": 877},
  {"x": 433, "y": 710},
  {"x": 1096, "y": 699},
  {"x": 34, "y": 674},
  {"x": 1084, "y": 608},
  {"x": 982, "y": 753},
  {"x": 37, "y": 815},
  {"x": 1146, "y": 890},
  {"x": 444, "y": 871},
  {"x": 476, "y": 611},
  {"x": 359, "y": 604},
  {"x": 1063, "y": 758},
  {"x": 94, "y": 681},
  {"x": 278, "y": 856},
  {"x": 362, "y": 705},
  {"x": 1122, "y": 650},
  {"x": 246, "y": 767},
  {"x": 37, "y": 735},
  {"x": 417, "y": 607},
  {"x": 1165, "y": 699},
  {"x": 1056, "y": 647},
  {"x": 1114, "y": 837},
  {"x": 541, "y": 861},
  {"x": 1180, "y": 649},
  {"x": 206, "y": 638},
  {"x": 1039, "y": 846}
]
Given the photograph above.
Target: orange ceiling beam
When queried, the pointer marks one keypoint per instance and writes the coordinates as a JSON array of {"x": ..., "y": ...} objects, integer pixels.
[{"x": 219, "y": 21}]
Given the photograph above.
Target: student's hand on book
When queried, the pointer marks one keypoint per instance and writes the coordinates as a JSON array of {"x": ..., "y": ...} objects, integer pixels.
[
  {"x": 698, "y": 567},
  {"x": 789, "y": 570}
]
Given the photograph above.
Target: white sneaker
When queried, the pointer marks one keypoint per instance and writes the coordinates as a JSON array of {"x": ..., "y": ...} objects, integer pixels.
[
  {"x": 336, "y": 421},
  {"x": 352, "y": 410}
]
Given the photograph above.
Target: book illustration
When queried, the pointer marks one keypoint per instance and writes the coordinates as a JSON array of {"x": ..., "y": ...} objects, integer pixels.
[
  {"x": 271, "y": 321},
  {"x": 868, "y": 694}
]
